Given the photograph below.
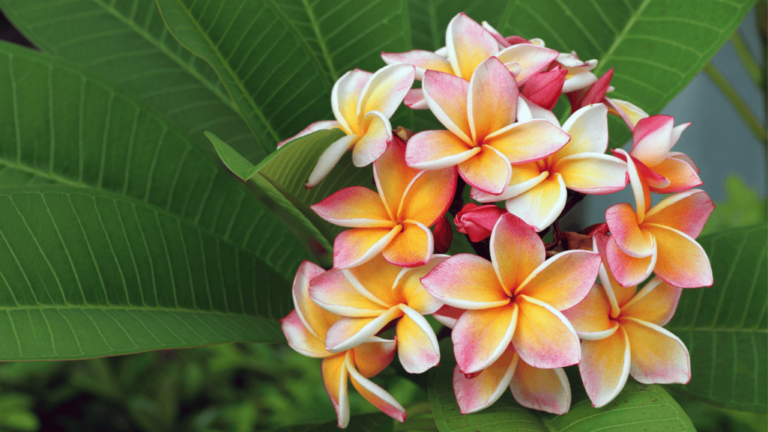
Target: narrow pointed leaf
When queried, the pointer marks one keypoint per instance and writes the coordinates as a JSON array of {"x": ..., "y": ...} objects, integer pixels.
[
  {"x": 68, "y": 127},
  {"x": 725, "y": 326},
  {"x": 127, "y": 43},
  {"x": 638, "y": 408},
  {"x": 89, "y": 274}
]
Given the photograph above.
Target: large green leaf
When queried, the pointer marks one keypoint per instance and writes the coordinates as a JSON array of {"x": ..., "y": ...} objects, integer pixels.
[
  {"x": 65, "y": 126},
  {"x": 87, "y": 274},
  {"x": 282, "y": 176},
  {"x": 639, "y": 408},
  {"x": 725, "y": 327},
  {"x": 279, "y": 58},
  {"x": 655, "y": 46},
  {"x": 127, "y": 43}
]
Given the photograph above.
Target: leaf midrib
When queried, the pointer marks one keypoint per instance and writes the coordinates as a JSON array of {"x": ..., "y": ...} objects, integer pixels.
[
  {"x": 320, "y": 39},
  {"x": 232, "y": 75},
  {"x": 192, "y": 71},
  {"x": 620, "y": 37}
]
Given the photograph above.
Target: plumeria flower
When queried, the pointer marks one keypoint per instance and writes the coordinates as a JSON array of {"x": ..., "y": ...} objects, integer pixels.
[
  {"x": 537, "y": 191},
  {"x": 544, "y": 89},
  {"x": 623, "y": 335},
  {"x": 362, "y": 105},
  {"x": 513, "y": 297},
  {"x": 373, "y": 295},
  {"x": 482, "y": 136},
  {"x": 448, "y": 315},
  {"x": 656, "y": 167},
  {"x": 660, "y": 240},
  {"x": 540, "y": 389},
  {"x": 395, "y": 221},
  {"x": 578, "y": 73},
  {"x": 306, "y": 328},
  {"x": 467, "y": 45}
]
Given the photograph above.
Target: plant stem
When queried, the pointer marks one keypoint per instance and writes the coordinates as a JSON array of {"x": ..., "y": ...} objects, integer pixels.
[
  {"x": 749, "y": 61},
  {"x": 746, "y": 114}
]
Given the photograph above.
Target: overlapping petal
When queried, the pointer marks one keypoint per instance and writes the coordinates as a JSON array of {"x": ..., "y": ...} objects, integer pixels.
[
  {"x": 491, "y": 99},
  {"x": 542, "y": 204},
  {"x": 655, "y": 303},
  {"x": 333, "y": 292},
  {"x": 300, "y": 338},
  {"x": 417, "y": 344},
  {"x": 543, "y": 337},
  {"x": 411, "y": 247},
  {"x": 374, "y": 356},
  {"x": 428, "y": 196},
  {"x": 681, "y": 175},
  {"x": 329, "y": 158},
  {"x": 488, "y": 170},
  {"x": 593, "y": 173},
  {"x": 628, "y": 270},
  {"x": 375, "y": 280},
  {"x": 658, "y": 356},
  {"x": 524, "y": 178},
  {"x": 409, "y": 290},
  {"x": 687, "y": 212},
  {"x": 374, "y": 394},
  {"x": 516, "y": 251},
  {"x": 480, "y": 337},
  {"x": 354, "y": 206},
  {"x": 563, "y": 280},
  {"x": 422, "y": 60},
  {"x": 652, "y": 139},
  {"x": 588, "y": 128},
  {"x": 315, "y": 319},
  {"x": 385, "y": 90},
  {"x": 681, "y": 260},
  {"x": 345, "y": 96},
  {"x": 377, "y": 134},
  {"x": 632, "y": 240},
  {"x": 617, "y": 294},
  {"x": 392, "y": 176},
  {"x": 334, "y": 371},
  {"x": 605, "y": 366},
  {"x": 356, "y": 246},
  {"x": 466, "y": 281},
  {"x": 348, "y": 333},
  {"x": 541, "y": 389},
  {"x": 531, "y": 58},
  {"x": 446, "y": 96},
  {"x": 529, "y": 141},
  {"x": 468, "y": 44},
  {"x": 591, "y": 317},
  {"x": 480, "y": 392},
  {"x": 437, "y": 149}
]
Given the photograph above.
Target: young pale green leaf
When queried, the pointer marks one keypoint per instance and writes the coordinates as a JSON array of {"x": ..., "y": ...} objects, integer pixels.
[
  {"x": 87, "y": 274},
  {"x": 638, "y": 408},
  {"x": 279, "y": 59},
  {"x": 126, "y": 43},
  {"x": 376, "y": 422},
  {"x": 68, "y": 127},
  {"x": 237, "y": 164},
  {"x": 725, "y": 326},
  {"x": 655, "y": 46}
]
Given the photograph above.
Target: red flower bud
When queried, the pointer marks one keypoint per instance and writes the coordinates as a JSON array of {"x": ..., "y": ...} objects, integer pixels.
[
  {"x": 594, "y": 94},
  {"x": 443, "y": 235},
  {"x": 477, "y": 221},
  {"x": 544, "y": 88}
]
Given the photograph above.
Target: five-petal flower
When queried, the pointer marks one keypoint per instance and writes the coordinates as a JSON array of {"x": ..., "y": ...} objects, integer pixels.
[
  {"x": 362, "y": 104},
  {"x": 512, "y": 297},
  {"x": 661, "y": 240},
  {"x": 395, "y": 221},
  {"x": 482, "y": 136},
  {"x": 371, "y": 296},
  {"x": 306, "y": 328},
  {"x": 537, "y": 191},
  {"x": 623, "y": 335}
]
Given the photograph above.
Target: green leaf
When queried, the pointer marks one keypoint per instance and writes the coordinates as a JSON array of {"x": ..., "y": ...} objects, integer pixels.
[
  {"x": 638, "y": 408},
  {"x": 655, "y": 46},
  {"x": 127, "y": 43},
  {"x": 725, "y": 326},
  {"x": 376, "y": 422},
  {"x": 68, "y": 127},
  {"x": 89, "y": 274},
  {"x": 279, "y": 58}
]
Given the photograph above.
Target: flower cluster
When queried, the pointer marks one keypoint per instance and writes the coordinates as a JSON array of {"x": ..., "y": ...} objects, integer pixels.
[{"x": 520, "y": 310}]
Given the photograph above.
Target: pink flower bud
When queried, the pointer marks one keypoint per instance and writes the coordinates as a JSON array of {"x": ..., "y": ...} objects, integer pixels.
[
  {"x": 544, "y": 88},
  {"x": 477, "y": 221},
  {"x": 443, "y": 235},
  {"x": 594, "y": 94}
]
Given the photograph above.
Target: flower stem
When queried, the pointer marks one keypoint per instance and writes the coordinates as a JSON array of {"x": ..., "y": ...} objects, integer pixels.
[
  {"x": 746, "y": 114},
  {"x": 749, "y": 61}
]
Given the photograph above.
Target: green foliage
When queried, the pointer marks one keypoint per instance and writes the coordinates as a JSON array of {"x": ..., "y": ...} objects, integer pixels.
[
  {"x": 725, "y": 326},
  {"x": 637, "y": 408},
  {"x": 97, "y": 278},
  {"x": 127, "y": 43}
]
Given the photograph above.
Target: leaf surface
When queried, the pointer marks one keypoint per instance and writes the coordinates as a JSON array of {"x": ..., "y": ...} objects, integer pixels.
[
  {"x": 88, "y": 274},
  {"x": 126, "y": 42},
  {"x": 67, "y": 127},
  {"x": 725, "y": 326}
]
